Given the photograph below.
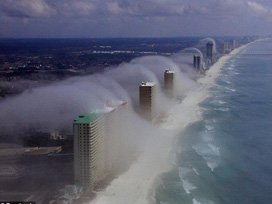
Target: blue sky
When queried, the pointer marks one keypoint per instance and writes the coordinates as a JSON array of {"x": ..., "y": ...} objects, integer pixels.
[{"x": 134, "y": 18}]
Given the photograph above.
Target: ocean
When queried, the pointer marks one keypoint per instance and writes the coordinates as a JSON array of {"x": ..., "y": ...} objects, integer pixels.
[{"x": 226, "y": 156}]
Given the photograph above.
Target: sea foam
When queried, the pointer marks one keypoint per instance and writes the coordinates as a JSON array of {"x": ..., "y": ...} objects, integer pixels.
[
  {"x": 187, "y": 185},
  {"x": 209, "y": 153}
]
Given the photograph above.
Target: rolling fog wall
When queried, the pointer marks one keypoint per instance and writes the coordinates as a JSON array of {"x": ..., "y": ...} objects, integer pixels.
[{"x": 53, "y": 107}]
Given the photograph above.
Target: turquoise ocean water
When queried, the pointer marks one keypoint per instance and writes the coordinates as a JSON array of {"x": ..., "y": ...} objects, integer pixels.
[{"x": 227, "y": 156}]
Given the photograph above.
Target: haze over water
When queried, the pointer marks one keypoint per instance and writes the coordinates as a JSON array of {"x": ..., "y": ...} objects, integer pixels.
[{"x": 226, "y": 157}]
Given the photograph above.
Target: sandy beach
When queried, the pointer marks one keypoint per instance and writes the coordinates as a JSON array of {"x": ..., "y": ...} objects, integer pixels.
[{"x": 136, "y": 185}]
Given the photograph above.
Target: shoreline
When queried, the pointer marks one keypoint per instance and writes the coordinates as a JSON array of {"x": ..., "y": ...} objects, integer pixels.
[
  {"x": 138, "y": 184},
  {"x": 205, "y": 82}
]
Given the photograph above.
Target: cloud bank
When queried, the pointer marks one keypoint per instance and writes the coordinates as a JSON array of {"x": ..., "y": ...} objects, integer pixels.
[{"x": 124, "y": 18}]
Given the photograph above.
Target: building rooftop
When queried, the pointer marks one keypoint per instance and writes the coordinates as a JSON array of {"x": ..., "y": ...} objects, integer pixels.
[
  {"x": 114, "y": 103},
  {"x": 147, "y": 83},
  {"x": 87, "y": 118},
  {"x": 105, "y": 109},
  {"x": 169, "y": 71},
  {"x": 14, "y": 153},
  {"x": 42, "y": 150},
  {"x": 8, "y": 171}
]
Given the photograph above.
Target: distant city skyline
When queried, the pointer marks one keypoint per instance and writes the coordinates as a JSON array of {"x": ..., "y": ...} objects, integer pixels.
[{"x": 139, "y": 18}]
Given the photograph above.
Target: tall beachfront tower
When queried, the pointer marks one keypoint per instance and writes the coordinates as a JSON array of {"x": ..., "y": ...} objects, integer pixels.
[
  {"x": 96, "y": 146},
  {"x": 89, "y": 164},
  {"x": 147, "y": 91},
  {"x": 224, "y": 48},
  {"x": 209, "y": 53},
  {"x": 114, "y": 136},
  {"x": 234, "y": 44},
  {"x": 169, "y": 80},
  {"x": 197, "y": 62}
]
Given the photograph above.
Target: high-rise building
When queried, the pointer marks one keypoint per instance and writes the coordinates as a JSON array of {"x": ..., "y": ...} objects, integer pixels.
[
  {"x": 96, "y": 144},
  {"x": 110, "y": 118},
  {"x": 234, "y": 44},
  {"x": 114, "y": 133},
  {"x": 210, "y": 53},
  {"x": 169, "y": 80},
  {"x": 224, "y": 48},
  {"x": 197, "y": 62},
  {"x": 147, "y": 100},
  {"x": 117, "y": 104},
  {"x": 89, "y": 158}
]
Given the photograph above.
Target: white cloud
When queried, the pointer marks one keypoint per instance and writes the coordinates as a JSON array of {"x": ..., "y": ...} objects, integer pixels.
[
  {"x": 164, "y": 15},
  {"x": 77, "y": 8},
  {"x": 135, "y": 8},
  {"x": 114, "y": 8},
  {"x": 256, "y": 7},
  {"x": 26, "y": 8}
]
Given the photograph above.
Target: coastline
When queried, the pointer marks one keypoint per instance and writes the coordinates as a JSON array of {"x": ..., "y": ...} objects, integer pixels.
[
  {"x": 188, "y": 108},
  {"x": 136, "y": 186}
]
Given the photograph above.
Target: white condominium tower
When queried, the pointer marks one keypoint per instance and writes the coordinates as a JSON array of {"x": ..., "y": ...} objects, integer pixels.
[
  {"x": 89, "y": 158},
  {"x": 96, "y": 146},
  {"x": 147, "y": 92},
  {"x": 169, "y": 79}
]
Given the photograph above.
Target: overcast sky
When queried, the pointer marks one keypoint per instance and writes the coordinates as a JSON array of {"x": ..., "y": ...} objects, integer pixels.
[{"x": 134, "y": 18}]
